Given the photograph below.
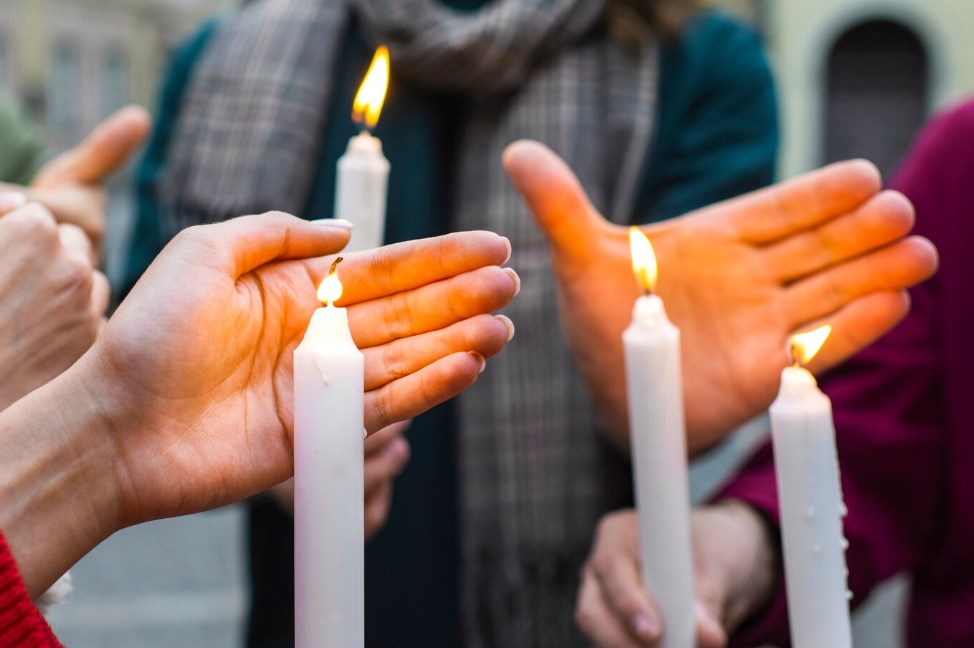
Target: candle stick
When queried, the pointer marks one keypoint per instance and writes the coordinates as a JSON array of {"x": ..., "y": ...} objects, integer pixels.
[
  {"x": 363, "y": 172},
  {"x": 659, "y": 454},
  {"x": 329, "y": 559},
  {"x": 810, "y": 498}
]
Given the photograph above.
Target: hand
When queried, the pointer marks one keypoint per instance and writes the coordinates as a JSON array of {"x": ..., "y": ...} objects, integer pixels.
[
  {"x": 52, "y": 301},
  {"x": 733, "y": 572},
  {"x": 738, "y": 278},
  {"x": 386, "y": 455},
  {"x": 72, "y": 184},
  {"x": 185, "y": 402}
]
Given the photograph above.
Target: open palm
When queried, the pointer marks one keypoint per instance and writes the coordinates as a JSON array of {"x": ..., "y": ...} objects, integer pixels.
[
  {"x": 738, "y": 278},
  {"x": 202, "y": 348}
]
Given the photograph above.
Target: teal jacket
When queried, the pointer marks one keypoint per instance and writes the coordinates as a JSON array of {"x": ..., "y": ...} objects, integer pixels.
[{"x": 716, "y": 137}]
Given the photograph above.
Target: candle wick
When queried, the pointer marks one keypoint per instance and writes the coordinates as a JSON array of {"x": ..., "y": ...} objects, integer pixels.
[{"x": 793, "y": 356}]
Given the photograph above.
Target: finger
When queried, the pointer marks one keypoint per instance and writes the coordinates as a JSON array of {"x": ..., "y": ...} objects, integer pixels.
[
  {"x": 242, "y": 244},
  {"x": 107, "y": 149},
  {"x": 372, "y": 274},
  {"x": 11, "y": 200},
  {"x": 377, "y": 510},
  {"x": 32, "y": 227},
  {"x": 859, "y": 324},
  {"x": 555, "y": 198},
  {"x": 101, "y": 293},
  {"x": 411, "y": 396},
  {"x": 382, "y": 468},
  {"x": 710, "y": 632},
  {"x": 376, "y": 443},
  {"x": 432, "y": 307},
  {"x": 880, "y": 221},
  {"x": 892, "y": 268},
  {"x": 809, "y": 200},
  {"x": 595, "y": 617},
  {"x": 622, "y": 588},
  {"x": 483, "y": 334},
  {"x": 75, "y": 242}
]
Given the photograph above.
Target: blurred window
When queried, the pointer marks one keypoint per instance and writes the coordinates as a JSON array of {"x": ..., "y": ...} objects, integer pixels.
[
  {"x": 878, "y": 80},
  {"x": 115, "y": 81},
  {"x": 64, "y": 100}
]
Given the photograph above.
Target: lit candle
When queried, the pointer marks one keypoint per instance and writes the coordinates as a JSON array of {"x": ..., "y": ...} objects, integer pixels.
[
  {"x": 659, "y": 453},
  {"x": 810, "y": 499},
  {"x": 363, "y": 172},
  {"x": 329, "y": 589}
]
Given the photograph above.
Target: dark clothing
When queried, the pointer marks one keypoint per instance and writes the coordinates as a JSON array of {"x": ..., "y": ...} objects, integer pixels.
[
  {"x": 716, "y": 137},
  {"x": 904, "y": 421}
]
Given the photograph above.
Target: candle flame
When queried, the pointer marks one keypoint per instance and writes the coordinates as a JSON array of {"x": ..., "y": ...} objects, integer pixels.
[
  {"x": 806, "y": 346},
  {"x": 643, "y": 259},
  {"x": 331, "y": 288},
  {"x": 372, "y": 93}
]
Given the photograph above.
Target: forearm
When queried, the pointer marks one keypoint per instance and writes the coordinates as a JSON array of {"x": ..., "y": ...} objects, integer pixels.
[{"x": 57, "y": 482}]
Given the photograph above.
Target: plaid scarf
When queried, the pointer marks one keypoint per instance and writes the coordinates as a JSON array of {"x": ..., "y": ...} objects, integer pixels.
[{"x": 534, "y": 469}]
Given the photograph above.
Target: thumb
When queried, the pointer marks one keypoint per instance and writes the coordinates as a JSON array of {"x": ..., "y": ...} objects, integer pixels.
[
  {"x": 554, "y": 196},
  {"x": 106, "y": 149},
  {"x": 710, "y": 631}
]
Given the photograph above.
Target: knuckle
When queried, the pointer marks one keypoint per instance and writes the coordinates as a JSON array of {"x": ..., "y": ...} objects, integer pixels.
[{"x": 33, "y": 221}]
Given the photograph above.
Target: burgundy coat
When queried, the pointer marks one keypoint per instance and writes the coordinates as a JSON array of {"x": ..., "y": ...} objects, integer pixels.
[{"x": 904, "y": 416}]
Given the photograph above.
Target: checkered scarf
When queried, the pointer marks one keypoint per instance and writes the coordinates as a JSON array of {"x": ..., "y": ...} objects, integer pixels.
[{"x": 533, "y": 466}]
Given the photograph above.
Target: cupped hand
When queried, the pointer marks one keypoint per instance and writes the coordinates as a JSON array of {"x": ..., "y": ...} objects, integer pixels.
[
  {"x": 196, "y": 364},
  {"x": 738, "y": 278},
  {"x": 72, "y": 184},
  {"x": 386, "y": 455},
  {"x": 733, "y": 578},
  {"x": 52, "y": 301}
]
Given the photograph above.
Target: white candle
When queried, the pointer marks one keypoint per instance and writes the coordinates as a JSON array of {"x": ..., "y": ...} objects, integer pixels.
[
  {"x": 363, "y": 172},
  {"x": 329, "y": 543},
  {"x": 659, "y": 454},
  {"x": 810, "y": 499}
]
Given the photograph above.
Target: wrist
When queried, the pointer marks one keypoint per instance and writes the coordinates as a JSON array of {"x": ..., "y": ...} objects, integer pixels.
[
  {"x": 751, "y": 585},
  {"x": 59, "y": 488}
]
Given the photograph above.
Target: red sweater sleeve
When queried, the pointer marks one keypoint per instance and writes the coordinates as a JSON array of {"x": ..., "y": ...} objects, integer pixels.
[
  {"x": 21, "y": 623},
  {"x": 889, "y": 404}
]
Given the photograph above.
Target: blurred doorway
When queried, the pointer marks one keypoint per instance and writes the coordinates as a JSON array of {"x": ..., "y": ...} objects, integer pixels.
[{"x": 876, "y": 93}]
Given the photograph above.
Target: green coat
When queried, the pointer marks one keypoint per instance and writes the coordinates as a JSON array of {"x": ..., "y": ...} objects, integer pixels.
[
  {"x": 716, "y": 137},
  {"x": 21, "y": 146}
]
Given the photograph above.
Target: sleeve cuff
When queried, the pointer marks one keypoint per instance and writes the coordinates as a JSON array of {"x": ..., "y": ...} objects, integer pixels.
[{"x": 21, "y": 623}]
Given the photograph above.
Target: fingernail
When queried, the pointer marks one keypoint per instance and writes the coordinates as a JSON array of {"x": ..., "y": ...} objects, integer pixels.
[
  {"x": 644, "y": 626},
  {"x": 12, "y": 200},
  {"x": 509, "y": 324},
  {"x": 337, "y": 223},
  {"x": 517, "y": 280},
  {"x": 480, "y": 358},
  {"x": 510, "y": 250}
]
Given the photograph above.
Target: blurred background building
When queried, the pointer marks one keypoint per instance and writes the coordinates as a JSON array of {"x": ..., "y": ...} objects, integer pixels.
[
  {"x": 857, "y": 78},
  {"x": 74, "y": 62}
]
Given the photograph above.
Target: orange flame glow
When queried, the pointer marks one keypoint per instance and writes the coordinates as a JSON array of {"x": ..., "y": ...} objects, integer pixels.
[
  {"x": 331, "y": 289},
  {"x": 643, "y": 259},
  {"x": 372, "y": 93},
  {"x": 806, "y": 346}
]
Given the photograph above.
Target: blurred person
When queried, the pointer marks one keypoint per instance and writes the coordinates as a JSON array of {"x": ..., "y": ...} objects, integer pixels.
[
  {"x": 903, "y": 432},
  {"x": 661, "y": 108},
  {"x": 137, "y": 429},
  {"x": 21, "y": 144}
]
